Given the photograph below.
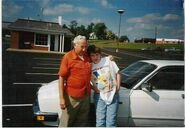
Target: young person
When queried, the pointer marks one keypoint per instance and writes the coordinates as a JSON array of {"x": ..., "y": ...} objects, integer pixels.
[{"x": 106, "y": 84}]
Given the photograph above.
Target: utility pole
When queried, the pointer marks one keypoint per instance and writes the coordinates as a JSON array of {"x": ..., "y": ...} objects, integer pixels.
[
  {"x": 155, "y": 32},
  {"x": 120, "y": 12}
]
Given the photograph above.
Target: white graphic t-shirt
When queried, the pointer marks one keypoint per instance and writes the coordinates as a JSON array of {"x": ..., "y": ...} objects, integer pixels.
[{"x": 104, "y": 77}]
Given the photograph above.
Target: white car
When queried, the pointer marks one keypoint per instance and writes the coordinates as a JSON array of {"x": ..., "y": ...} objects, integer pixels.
[{"x": 152, "y": 94}]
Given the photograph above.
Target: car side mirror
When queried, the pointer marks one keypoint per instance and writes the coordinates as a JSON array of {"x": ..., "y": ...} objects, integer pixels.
[{"x": 148, "y": 86}]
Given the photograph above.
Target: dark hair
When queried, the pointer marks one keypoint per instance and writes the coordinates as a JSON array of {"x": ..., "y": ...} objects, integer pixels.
[{"x": 93, "y": 49}]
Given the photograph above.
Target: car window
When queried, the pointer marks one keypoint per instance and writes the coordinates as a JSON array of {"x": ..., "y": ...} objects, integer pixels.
[
  {"x": 168, "y": 78},
  {"x": 135, "y": 73}
]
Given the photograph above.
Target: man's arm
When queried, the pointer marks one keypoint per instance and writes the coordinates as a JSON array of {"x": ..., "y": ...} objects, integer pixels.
[{"x": 61, "y": 93}]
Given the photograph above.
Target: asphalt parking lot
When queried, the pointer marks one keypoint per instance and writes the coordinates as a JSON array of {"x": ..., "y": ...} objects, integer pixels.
[{"x": 24, "y": 72}]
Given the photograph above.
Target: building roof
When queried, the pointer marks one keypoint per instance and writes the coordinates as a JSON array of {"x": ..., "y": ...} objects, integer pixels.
[
  {"x": 39, "y": 26},
  {"x": 5, "y": 24}
]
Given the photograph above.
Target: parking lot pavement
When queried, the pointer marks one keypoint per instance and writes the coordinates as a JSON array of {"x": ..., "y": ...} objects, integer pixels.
[
  {"x": 19, "y": 116},
  {"x": 126, "y": 57},
  {"x": 23, "y": 74}
]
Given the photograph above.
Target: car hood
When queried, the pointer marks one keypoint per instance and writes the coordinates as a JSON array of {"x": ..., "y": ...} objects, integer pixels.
[{"x": 48, "y": 97}]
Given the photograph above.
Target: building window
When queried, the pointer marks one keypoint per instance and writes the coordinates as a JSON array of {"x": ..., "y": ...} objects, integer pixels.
[{"x": 41, "y": 39}]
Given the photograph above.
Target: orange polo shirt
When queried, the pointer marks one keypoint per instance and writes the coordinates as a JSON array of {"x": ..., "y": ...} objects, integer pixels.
[{"x": 77, "y": 73}]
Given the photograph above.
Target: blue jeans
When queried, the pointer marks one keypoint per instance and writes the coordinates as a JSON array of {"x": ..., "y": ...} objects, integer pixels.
[{"x": 106, "y": 115}]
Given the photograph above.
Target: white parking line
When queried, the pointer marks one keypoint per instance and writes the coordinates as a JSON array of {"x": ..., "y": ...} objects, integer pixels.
[
  {"x": 32, "y": 73},
  {"x": 131, "y": 54},
  {"x": 46, "y": 59},
  {"x": 43, "y": 68},
  {"x": 28, "y": 83},
  {"x": 17, "y": 105},
  {"x": 47, "y": 64},
  {"x": 112, "y": 55}
]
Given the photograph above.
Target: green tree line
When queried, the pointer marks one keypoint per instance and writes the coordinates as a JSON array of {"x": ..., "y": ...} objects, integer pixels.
[{"x": 99, "y": 29}]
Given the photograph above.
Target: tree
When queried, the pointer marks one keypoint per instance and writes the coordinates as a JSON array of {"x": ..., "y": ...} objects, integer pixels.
[
  {"x": 64, "y": 26},
  {"x": 100, "y": 30},
  {"x": 124, "y": 39},
  {"x": 73, "y": 27},
  {"x": 110, "y": 35},
  {"x": 90, "y": 29},
  {"x": 81, "y": 30}
]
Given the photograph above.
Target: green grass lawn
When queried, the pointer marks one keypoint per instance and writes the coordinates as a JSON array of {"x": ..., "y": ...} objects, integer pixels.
[{"x": 136, "y": 46}]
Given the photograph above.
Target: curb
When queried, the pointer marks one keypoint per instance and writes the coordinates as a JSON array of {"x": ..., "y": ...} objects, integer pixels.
[{"x": 33, "y": 51}]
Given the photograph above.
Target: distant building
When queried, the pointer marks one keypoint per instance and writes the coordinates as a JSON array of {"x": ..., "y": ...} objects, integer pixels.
[
  {"x": 40, "y": 35},
  {"x": 168, "y": 41},
  {"x": 159, "y": 41},
  {"x": 92, "y": 36},
  {"x": 145, "y": 40}
]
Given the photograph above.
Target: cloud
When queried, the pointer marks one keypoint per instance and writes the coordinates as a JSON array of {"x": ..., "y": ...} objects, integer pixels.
[
  {"x": 153, "y": 18},
  {"x": 64, "y": 8},
  {"x": 83, "y": 10},
  {"x": 104, "y": 3},
  {"x": 170, "y": 17},
  {"x": 135, "y": 20},
  {"x": 58, "y": 10},
  {"x": 95, "y": 20},
  {"x": 43, "y": 3},
  {"x": 148, "y": 22},
  {"x": 10, "y": 9},
  {"x": 148, "y": 18},
  {"x": 141, "y": 26},
  {"x": 84, "y": 21}
]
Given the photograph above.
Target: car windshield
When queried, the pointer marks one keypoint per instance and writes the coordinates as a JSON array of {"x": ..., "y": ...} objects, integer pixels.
[{"x": 135, "y": 72}]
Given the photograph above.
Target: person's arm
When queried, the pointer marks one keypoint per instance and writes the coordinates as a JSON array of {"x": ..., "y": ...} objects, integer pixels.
[
  {"x": 118, "y": 80},
  {"x": 63, "y": 71},
  {"x": 95, "y": 89},
  {"x": 115, "y": 70},
  {"x": 93, "y": 84},
  {"x": 61, "y": 93}
]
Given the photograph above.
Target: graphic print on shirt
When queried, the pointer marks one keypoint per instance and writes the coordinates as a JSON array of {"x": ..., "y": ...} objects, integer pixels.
[{"x": 103, "y": 78}]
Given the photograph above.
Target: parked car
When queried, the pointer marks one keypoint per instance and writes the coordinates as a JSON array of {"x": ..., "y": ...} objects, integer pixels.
[
  {"x": 172, "y": 49},
  {"x": 151, "y": 94}
]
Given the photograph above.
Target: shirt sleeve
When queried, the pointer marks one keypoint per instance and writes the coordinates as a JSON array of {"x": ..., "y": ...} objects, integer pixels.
[
  {"x": 63, "y": 71},
  {"x": 114, "y": 67}
]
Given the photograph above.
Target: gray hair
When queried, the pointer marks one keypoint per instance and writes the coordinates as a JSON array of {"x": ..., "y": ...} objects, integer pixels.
[{"x": 78, "y": 38}]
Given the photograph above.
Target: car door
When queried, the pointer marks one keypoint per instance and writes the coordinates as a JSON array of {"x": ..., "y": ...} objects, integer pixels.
[
  {"x": 163, "y": 103},
  {"x": 124, "y": 107}
]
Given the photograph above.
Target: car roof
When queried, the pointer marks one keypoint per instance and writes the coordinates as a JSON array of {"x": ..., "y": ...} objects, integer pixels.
[{"x": 161, "y": 63}]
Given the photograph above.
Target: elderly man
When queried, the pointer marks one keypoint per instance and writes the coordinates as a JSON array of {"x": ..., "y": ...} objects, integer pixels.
[{"x": 74, "y": 85}]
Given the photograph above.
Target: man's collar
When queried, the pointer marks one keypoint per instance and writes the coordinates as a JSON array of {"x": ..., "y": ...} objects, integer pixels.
[{"x": 74, "y": 55}]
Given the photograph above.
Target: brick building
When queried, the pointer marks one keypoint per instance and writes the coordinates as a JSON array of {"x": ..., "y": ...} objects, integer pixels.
[{"x": 40, "y": 35}]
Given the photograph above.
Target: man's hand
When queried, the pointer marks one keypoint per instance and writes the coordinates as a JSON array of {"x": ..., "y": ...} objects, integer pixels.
[{"x": 62, "y": 103}]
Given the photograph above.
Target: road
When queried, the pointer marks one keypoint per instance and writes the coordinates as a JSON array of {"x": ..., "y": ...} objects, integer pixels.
[{"x": 23, "y": 73}]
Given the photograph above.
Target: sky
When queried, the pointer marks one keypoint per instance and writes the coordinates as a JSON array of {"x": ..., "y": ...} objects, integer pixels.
[{"x": 141, "y": 18}]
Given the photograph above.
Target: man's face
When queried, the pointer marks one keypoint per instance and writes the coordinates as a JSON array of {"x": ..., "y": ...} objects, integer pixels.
[{"x": 81, "y": 47}]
